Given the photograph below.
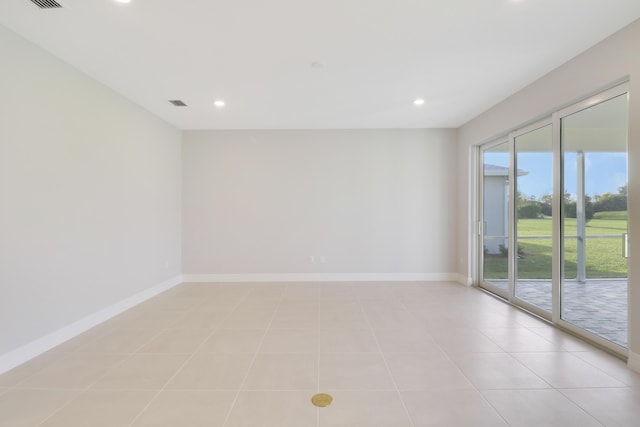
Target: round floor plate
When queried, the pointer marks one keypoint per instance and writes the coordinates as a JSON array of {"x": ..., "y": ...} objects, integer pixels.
[{"x": 322, "y": 400}]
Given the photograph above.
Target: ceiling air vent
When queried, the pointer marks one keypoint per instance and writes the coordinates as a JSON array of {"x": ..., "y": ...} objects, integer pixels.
[
  {"x": 46, "y": 4},
  {"x": 178, "y": 103}
]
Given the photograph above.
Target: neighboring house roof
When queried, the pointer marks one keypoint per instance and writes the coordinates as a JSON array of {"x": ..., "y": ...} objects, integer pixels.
[{"x": 494, "y": 170}]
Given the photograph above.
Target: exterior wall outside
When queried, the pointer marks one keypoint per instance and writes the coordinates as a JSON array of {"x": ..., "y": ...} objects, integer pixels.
[{"x": 495, "y": 215}]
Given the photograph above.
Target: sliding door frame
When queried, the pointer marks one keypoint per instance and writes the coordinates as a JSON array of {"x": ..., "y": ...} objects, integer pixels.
[
  {"x": 513, "y": 238},
  {"x": 558, "y": 255},
  {"x": 481, "y": 220},
  {"x": 558, "y": 215}
]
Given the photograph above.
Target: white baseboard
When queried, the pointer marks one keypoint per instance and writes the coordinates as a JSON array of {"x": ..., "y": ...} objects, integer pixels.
[
  {"x": 28, "y": 351},
  {"x": 322, "y": 277},
  {"x": 464, "y": 280},
  {"x": 634, "y": 361}
]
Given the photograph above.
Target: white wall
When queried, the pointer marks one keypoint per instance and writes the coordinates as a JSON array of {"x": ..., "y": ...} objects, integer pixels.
[
  {"x": 89, "y": 196},
  {"x": 613, "y": 59},
  {"x": 368, "y": 201}
]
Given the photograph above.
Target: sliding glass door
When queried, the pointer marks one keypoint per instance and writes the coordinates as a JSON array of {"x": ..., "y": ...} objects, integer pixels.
[
  {"x": 594, "y": 227},
  {"x": 516, "y": 219},
  {"x": 553, "y": 218},
  {"x": 495, "y": 218},
  {"x": 533, "y": 218}
]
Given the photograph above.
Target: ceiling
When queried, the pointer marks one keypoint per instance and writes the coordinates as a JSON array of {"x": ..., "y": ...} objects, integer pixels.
[{"x": 314, "y": 64}]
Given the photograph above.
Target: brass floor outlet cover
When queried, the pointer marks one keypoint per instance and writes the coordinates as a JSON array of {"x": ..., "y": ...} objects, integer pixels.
[{"x": 321, "y": 400}]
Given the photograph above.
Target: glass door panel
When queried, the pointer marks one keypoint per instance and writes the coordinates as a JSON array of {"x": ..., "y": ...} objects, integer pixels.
[
  {"x": 533, "y": 218},
  {"x": 593, "y": 293},
  {"x": 495, "y": 218}
]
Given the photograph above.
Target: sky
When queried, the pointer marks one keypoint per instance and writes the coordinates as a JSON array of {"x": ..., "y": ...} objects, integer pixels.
[{"x": 604, "y": 172}]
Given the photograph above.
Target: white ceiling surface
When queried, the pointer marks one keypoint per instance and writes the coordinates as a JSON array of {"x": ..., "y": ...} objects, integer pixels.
[{"x": 461, "y": 56}]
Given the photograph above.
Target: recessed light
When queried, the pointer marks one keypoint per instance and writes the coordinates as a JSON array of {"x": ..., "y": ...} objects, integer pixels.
[
  {"x": 219, "y": 103},
  {"x": 123, "y": 1},
  {"x": 418, "y": 102}
]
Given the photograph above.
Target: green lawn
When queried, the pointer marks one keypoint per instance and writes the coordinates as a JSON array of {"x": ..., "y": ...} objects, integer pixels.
[
  {"x": 611, "y": 215},
  {"x": 603, "y": 256}
]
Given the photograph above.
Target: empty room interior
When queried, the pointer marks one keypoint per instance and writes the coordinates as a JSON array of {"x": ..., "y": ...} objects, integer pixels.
[{"x": 338, "y": 213}]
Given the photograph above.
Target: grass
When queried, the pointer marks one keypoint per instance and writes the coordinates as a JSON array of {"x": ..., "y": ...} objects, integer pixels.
[
  {"x": 622, "y": 215},
  {"x": 603, "y": 256}
]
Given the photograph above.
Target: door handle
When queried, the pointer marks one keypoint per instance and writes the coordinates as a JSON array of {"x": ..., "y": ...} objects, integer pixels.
[{"x": 625, "y": 245}]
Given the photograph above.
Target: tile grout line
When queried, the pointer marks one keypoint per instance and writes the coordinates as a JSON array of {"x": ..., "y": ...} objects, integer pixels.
[
  {"x": 551, "y": 386},
  {"x": 510, "y": 355},
  {"x": 370, "y": 317},
  {"x": 318, "y": 350},
  {"x": 600, "y": 369},
  {"x": 475, "y": 388},
  {"x": 253, "y": 360},
  {"x": 37, "y": 371},
  {"x": 386, "y": 364},
  {"x": 213, "y": 331},
  {"x": 127, "y": 356},
  {"x": 563, "y": 351},
  {"x": 581, "y": 408}
]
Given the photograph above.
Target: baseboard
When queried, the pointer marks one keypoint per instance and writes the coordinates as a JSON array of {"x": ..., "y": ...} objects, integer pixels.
[
  {"x": 464, "y": 280},
  {"x": 634, "y": 361},
  {"x": 28, "y": 351},
  {"x": 322, "y": 277}
]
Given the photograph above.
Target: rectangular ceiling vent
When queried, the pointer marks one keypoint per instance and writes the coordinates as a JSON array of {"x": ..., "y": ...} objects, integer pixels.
[
  {"x": 47, "y": 4},
  {"x": 178, "y": 103}
]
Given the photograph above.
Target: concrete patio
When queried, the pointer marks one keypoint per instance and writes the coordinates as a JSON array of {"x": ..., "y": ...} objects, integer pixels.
[{"x": 598, "y": 305}]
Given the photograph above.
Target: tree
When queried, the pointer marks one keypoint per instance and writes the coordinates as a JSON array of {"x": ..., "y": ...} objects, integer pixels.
[
  {"x": 521, "y": 198},
  {"x": 545, "y": 204},
  {"x": 571, "y": 208},
  {"x": 546, "y": 199},
  {"x": 608, "y": 202},
  {"x": 529, "y": 210}
]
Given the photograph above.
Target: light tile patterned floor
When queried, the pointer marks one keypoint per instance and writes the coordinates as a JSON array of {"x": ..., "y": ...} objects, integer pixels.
[{"x": 391, "y": 354}]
